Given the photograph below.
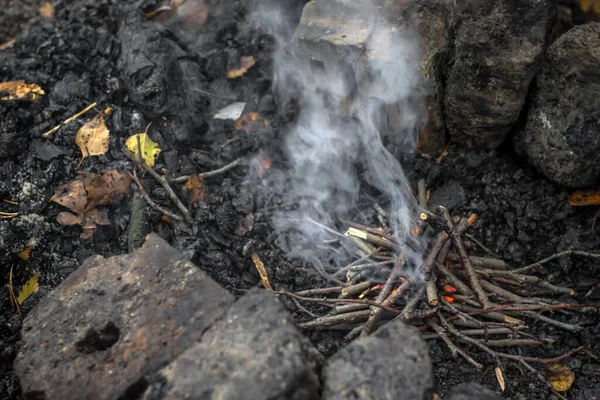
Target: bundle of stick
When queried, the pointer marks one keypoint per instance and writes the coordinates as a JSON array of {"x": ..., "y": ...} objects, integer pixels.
[{"x": 451, "y": 297}]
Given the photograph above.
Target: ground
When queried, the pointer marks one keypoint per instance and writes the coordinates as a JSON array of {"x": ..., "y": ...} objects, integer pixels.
[{"x": 522, "y": 217}]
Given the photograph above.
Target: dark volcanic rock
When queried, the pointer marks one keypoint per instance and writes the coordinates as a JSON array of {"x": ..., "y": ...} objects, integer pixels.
[
  {"x": 472, "y": 391},
  {"x": 497, "y": 49},
  {"x": 255, "y": 352},
  {"x": 562, "y": 134},
  {"x": 393, "y": 363},
  {"x": 115, "y": 320},
  {"x": 162, "y": 77}
]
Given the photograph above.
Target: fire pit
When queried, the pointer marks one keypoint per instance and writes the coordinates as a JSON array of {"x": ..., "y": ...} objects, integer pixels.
[{"x": 300, "y": 199}]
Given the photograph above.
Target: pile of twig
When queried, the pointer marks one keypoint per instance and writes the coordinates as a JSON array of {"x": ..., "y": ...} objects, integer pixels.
[{"x": 452, "y": 296}]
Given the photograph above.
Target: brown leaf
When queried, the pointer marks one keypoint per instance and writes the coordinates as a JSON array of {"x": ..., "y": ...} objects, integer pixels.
[
  {"x": 67, "y": 218},
  {"x": 247, "y": 121},
  {"x": 47, "y": 10},
  {"x": 93, "y": 137},
  {"x": 25, "y": 254},
  {"x": 72, "y": 195},
  {"x": 194, "y": 188},
  {"x": 105, "y": 189},
  {"x": 262, "y": 271},
  {"x": 246, "y": 62},
  {"x": 99, "y": 217},
  {"x": 19, "y": 90},
  {"x": 560, "y": 377},
  {"x": 582, "y": 198}
]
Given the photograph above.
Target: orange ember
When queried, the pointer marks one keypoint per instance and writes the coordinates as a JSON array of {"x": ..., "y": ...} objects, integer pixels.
[
  {"x": 448, "y": 289},
  {"x": 264, "y": 163},
  {"x": 449, "y": 299}
]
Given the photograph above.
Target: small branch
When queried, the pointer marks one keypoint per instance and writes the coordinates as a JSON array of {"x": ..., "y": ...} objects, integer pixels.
[
  {"x": 208, "y": 174},
  {"x": 555, "y": 256},
  {"x": 326, "y": 300},
  {"x": 151, "y": 203},
  {"x": 454, "y": 350},
  {"x": 163, "y": 182}
]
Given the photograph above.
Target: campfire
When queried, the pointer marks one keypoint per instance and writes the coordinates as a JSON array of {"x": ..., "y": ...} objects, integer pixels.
[{"x": 300, "y": 199}]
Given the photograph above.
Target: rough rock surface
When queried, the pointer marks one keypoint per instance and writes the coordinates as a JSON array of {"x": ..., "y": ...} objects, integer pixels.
[
  {"x": 162, "y": 78},
  {"x": 114, "y": 321},
  {"x": 561, "y": 137},
  {"x": 472, "y": 391},
  {"x": 364, "y": 42},
  {"x": 255, "y": 352},
  {"x": 392, "y": 363},
  {"x": 498, "y": 46}
]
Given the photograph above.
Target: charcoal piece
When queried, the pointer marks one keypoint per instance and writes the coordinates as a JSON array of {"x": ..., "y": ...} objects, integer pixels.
[
  {"x": 498, "y": 46},
  {"x": 255, "y": 352},
  {"x": 392, "y": 363},
  {"x": 115, "y": 320},
  {"x": 450, "y": 195},
  {"x": 472, "y": 391},
  {"x": 561, "y": 137},
  {"x": 162, "y": 77},
  {"x": 46, "y": 150}
]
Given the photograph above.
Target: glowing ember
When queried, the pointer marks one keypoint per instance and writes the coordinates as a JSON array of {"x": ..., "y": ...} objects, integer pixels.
[
  {"x": 264, "y": 163},
  {"x": 449, "y": 299},
  {"x": 448, "y": 289}
]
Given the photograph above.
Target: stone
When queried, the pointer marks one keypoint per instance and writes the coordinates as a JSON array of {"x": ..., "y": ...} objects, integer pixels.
[
  {"x": 392, "y": 363},
  {"x": 498, "y": 46},
  {"x": 450, "y": 195},
  {"x": 561, "y": 137},
  {"x": 472, "y": 391},
  {"x": 114, "y": 321},
  {"x": 255, "y": 352},
  {"x": 393, "y": 52}
]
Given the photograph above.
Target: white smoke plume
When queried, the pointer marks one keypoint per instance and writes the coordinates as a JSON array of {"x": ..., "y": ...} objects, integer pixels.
[{"x": 359, "y": 83}]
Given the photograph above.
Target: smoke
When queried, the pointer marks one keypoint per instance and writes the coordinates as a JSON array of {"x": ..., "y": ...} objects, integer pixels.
[{"x": 355, "y": 77}]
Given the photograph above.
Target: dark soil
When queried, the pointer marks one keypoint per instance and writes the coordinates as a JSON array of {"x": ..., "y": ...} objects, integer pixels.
[{"x": 522, "y": 217}]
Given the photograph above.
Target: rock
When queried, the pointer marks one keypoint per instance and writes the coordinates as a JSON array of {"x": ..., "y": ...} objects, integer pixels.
[
  {"x": 498, "y": 46},
  {"x": 254, "y": 352},
  {"x": 376, "y": 50},
  {"x": 472, "y": 391},
  {"x": 114, "y": 321},
  {"x": 392, "y": 363},
  {"x": 154, "y": 65},
  {"x": 561, "y": 137},
  {"x": 450, "y": 195}
]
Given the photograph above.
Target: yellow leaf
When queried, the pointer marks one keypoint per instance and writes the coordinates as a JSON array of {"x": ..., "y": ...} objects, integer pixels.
[
  {"x": 47, "y": 10},
  {"x": 194, "y": 188},
  {"x": 29, "y": 288},
  {"x": 25, "y": 254},
  {"x": 93, "y": 137},
  {"x": 585, "y": 5},
  {"x": 19, "y": 90},
  {"x": 147, "y": 147},
  {"x": 500, "y": 378},
  {"x": 245, "y": 64},
  {"x": 560, "y": 377},
  {"x": 581, "y": 198}
]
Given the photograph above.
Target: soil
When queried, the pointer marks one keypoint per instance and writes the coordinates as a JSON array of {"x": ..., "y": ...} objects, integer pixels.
[{"x": 522, "y": 217}]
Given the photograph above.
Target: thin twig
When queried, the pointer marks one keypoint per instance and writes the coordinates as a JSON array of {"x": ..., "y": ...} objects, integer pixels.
[
  {"x": 554, "y": 257},
  {"x": 66, "y": 121},
  {"x": 326, "y": 300},
  {"x": 208, "y": 174},
  {"x": 151, "y": 203},
  {"x": 163, "y": 182},
  {"x": 454, "y": 350}
]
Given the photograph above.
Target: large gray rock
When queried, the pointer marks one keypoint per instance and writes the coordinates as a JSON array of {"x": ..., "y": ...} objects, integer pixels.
[
  {"x": 255, "y": 352},
  {"x": 114, "y": 321},
  {"x": 562, "y": 134},
  {"x": 368, "y": 44},
  {"x": 497, "y": 49},
  {"x": 392, "y": 363},
  {"x": 472, "y": 391}
]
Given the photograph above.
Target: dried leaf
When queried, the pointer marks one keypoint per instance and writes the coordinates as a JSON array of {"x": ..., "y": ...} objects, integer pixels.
[
  {"x": 93, "y": 137},
  {"x": 67, "y": 218},
  {"x": 585, "y": 5},
  {"x": 147, "y": 147},
  {"x": 246, "y": 121},
  {"x": 195, "y": 190},
  {"x": 19, "y": 90},
  {"x": 72, "y": 195},
  {"x": 25, "y": 254},
  {"x": 560, "y": 377},
  {"x": 105, "y": 189},
  {"x": 47, "y": 10},
  {"x": 29, "y": 288},
  {"x": 246, "y": 62},
  {"x": 191, "y": 13},
  {"x": 500, "y": 378},
  {"x": 262, "y": 271},
  {"x": 583, "y": 198}
]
